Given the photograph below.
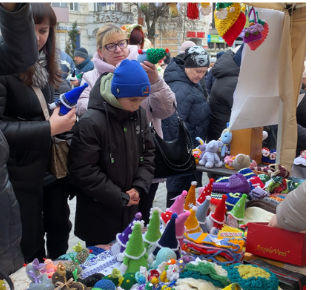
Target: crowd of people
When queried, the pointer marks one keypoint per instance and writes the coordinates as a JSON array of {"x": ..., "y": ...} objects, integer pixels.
[{"x": 111, "y": 154}]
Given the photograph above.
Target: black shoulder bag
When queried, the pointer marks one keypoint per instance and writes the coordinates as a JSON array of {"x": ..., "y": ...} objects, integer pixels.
[{"x": 173, "y": 158}]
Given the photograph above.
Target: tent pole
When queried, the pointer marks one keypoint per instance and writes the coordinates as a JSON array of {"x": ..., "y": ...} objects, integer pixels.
[{"x": 280, "y": 131}]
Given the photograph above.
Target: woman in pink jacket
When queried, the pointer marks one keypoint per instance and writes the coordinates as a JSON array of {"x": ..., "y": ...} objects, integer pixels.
[{"x": 112, "y": 48}]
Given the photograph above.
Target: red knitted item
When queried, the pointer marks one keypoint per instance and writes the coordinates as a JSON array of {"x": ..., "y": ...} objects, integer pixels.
[
  {"x": 193, "y": 11},
  {"x": 255, "y": 44},
  {"x": 234, "y": 31}
]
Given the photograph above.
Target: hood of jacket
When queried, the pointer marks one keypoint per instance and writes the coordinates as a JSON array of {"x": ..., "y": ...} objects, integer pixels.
[
  {"x": 175, "y": 72},
  {"x": 226, "y": 66}
]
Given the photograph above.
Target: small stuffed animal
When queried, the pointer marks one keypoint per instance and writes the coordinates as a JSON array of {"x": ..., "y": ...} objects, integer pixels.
[
  {"x": 210, "y": 157},
  {"x": 241, "y": 161},
  {"x": 225, "y": 138}
]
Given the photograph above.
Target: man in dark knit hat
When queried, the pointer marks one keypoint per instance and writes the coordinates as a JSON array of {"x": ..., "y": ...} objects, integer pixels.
[{"x": 83, "y": 64}]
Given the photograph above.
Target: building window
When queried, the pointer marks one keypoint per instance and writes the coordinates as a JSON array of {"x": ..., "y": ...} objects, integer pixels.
[
  {"x": 57, "y": 4},
  {"x": 98, "y": 7},
  {"x": 74, "y": 6},
  {"x": 118, "y": 7}
]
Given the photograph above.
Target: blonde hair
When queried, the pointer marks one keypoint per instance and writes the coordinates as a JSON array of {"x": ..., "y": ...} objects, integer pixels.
[{"x": 106, "y": 31}]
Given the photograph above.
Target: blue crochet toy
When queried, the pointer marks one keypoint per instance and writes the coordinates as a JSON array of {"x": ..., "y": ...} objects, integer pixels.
[
  {"x": 225, "y": 138},
  {"x": 68, "y": 100}
]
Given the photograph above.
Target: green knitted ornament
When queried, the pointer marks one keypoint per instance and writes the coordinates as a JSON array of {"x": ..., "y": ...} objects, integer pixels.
[
  {"x": 154, "y": 55},
  {"x": 128, "y": 281}
]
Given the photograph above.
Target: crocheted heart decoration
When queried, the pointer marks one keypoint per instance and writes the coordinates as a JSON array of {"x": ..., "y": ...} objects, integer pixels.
[
  {"x": 255, "y": 44},
  {"x": 226, "y": 16},
  {"x": 235, "y": 30}
]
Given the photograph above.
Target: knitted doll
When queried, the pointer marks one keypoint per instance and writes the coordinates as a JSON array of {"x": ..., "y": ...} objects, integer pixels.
[
  {"x": 135, "y": 254},
  {"x": 190, "y": 198},
  {"x": 153, "y": 232},
  {"x": 206, "y": 192},
  {"x": 68, "y": 100},
  {"x": 201, "y": 214},
  {"x": 219, "y": 216},
  {"x": 168, "y": 239},
  {"x": 180, "y": 226},
  {"x": 235, "y": 217},
  {"x": 192, "y": 225}
]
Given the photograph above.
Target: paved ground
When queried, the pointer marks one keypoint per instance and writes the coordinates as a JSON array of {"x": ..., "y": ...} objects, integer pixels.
[{"x": 160, "y": 201}]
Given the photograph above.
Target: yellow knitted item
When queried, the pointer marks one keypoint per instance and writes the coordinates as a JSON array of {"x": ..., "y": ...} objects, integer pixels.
[
  {"x": 223, "y": 25},
  {"x": 190, "y": 198},
  {"x": 233, "y": 286},
  {"x": 192, "y": 225},
  {"x": 248, "y": 271}
]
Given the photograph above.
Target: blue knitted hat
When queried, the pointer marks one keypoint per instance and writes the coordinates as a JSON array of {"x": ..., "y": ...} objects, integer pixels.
[{"x": 130, "y": 80}]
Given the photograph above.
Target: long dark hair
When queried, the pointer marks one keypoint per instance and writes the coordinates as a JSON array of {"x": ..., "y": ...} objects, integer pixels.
[{"x": 43, "y": 12}]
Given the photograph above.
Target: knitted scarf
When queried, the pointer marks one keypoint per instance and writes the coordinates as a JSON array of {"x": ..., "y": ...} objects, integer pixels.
[{"x": 105, "y": 91}]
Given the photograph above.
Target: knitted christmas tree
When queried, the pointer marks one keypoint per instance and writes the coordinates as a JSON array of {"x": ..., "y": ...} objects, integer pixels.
[
  {"x": 135, "y": 254},
  {"x": 153, "y": 55},
  {"x": 153, "y": 232}
]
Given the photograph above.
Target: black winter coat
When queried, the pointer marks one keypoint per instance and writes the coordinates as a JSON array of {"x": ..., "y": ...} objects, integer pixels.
[
  {"x": 17, "y": 52},
  {"x": 106, "y": 132},
  {"x": 226, "y": 72},
  {"x": 193, "y": 109},
  {"x": 29, "y": 137}
]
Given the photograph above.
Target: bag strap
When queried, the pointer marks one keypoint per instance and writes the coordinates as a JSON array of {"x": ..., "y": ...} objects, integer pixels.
[
  {"x": 42, "y": 102},
  {"x": 254, "y": 13},
  {"x": 7, "y": 279}
]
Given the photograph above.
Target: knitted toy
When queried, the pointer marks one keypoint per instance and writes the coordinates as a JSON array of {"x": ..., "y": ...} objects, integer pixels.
[
  {"x": 190, "y": 198},
  {"x": 205, "y": 8},
  {"x": 135, "y": 254},
  {"x": 193, "y": 11},
  {"x": 38, "y": 281},
  {"x": 201, "y": 214},
  {"x": 219, "y": 216},
  {"x": 192, "y": 224},
  {"x": 68, "y": 100},
  {"x": 225, "y": 138},
  {"x": 153, "y": 55},
  {"x": 104, "y": 285},
  {"x": 229, "y": 21},
  {"x": 173, "y": 11},
  {"x": 252, "y": 277},
  {"x": 122, "y": 238},
  {"x": 206, "y": 192},
  {"x": 237, "y": 213},
  {"x": 210, "y": 157},
  {"x": 49, "y": 268},
  {"x": 180, "y": 226},
  {"x": 168, "y": 239},
  {"x": 202, "y": 147},
  {"x": 82, "y": 253},
  {"x": 233, "y": 286},
  {"x": 241, "y": 161},
  {"x": 153, "y": 232},
  {"x": 268, "y": 156},
  {"x": 178, "y": 205},
  {"x": 163, "y": 255},
  {"x": 128, "y": 281}
]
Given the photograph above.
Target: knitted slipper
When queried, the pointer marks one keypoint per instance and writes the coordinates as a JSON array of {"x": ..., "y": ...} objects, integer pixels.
[{"x": 237, "y": 183}]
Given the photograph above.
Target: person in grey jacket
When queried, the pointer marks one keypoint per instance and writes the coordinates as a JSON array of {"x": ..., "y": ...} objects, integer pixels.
[
  {"x": 18, "y": 51},
  {"x": 291, "y": 212}
]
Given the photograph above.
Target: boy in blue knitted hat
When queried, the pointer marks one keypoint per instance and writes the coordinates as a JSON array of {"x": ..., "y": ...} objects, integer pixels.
[{"x": 111, "y": 157}]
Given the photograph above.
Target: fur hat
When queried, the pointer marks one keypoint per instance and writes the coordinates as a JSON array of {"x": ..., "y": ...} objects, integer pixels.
[
  {"x": 186, "y": 45},
  {"x": 196, "y": 56},
  {"x": 130, "y": 80},
  {"x": 81, "y": 52}
]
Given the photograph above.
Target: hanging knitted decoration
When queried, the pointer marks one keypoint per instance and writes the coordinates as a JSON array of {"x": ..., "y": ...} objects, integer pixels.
[
  {"x": 172, "y": 9},
  {"x": 193, "y": 11},
  {"x": 229, "y": 21},
  {"x": 205, "y": 8},
  {"x": 252, "y": 30},
  {"x": 255, "y": 44}
]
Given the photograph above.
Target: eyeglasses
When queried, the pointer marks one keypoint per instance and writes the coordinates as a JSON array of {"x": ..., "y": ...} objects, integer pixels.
[{"x": 112, "y": 47}]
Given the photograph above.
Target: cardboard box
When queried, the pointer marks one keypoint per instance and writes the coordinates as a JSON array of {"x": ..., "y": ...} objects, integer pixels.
[{"x": 276, "y": 244}]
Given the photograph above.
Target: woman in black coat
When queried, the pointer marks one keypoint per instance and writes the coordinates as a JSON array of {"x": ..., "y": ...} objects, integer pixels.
[
  {"x": 29, "y": 134},
  {"x": 183, "y": 77},
  {"x": 16, "y": 54}
]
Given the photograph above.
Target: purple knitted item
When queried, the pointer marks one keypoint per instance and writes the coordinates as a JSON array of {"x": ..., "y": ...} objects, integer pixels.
[
  {"x": 237, "y": 183},
  {"x": 258, "y": 193}
]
